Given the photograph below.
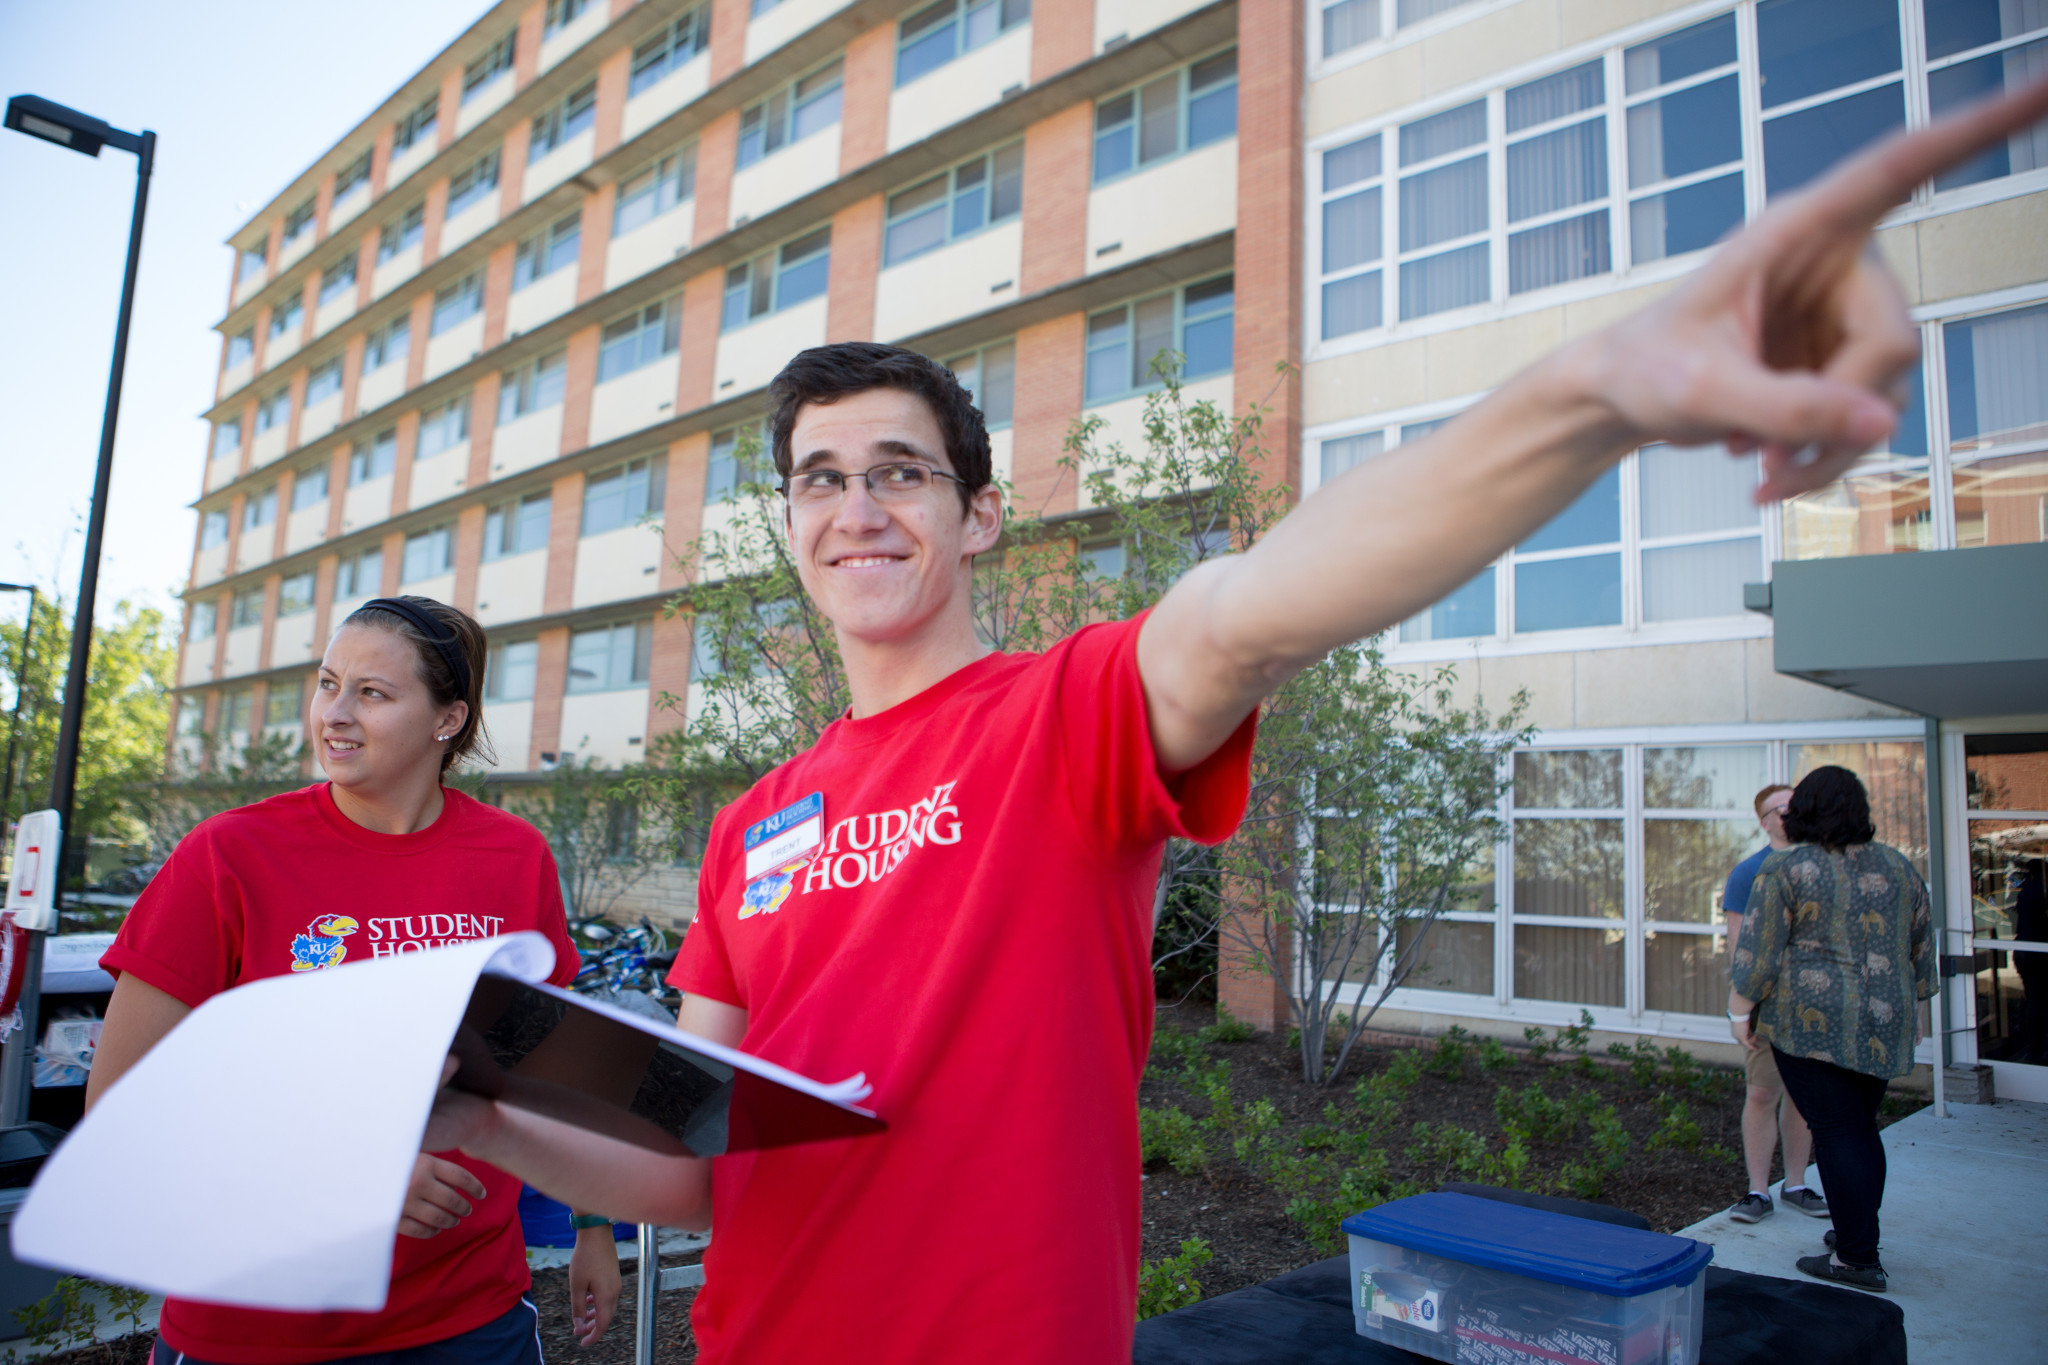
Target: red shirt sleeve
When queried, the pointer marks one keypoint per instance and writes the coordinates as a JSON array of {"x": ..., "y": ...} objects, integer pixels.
[
  {"x": 703, "y": 967},
  {"x": 184, "y": 934},
  {"x": 1115, "y": 782}
]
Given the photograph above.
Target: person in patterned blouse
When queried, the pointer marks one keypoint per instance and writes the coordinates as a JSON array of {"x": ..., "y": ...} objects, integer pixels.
[{"x": 1835, "y": 956}]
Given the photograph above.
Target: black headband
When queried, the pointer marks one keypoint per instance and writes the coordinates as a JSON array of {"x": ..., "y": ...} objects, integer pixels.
[{"x": 438, "y": 634}]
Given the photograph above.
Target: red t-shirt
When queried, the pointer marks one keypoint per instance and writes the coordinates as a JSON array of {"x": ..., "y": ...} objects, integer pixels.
[
  {"x": 291, "y": 884},
  {"x": 975, "y": 935}
]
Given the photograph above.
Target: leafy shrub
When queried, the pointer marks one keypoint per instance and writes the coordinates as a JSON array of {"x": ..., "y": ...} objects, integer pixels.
[
  {"x": 1448, "y": 1061},
  {"x": 1169, "y": 1284},
  {"x": 1532, "y": 1115},
  {"x": 1169, "y": 1135},
  {"x": 1493, "y": 1056},
  {"x": 70, "y": 1316},
  {"x": 1678, "y": 1129},
  {"x": 1228, "y": 1028}
]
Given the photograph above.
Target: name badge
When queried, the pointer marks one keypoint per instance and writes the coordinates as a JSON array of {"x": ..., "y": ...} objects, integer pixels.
[{"x": 785, "y": 836}]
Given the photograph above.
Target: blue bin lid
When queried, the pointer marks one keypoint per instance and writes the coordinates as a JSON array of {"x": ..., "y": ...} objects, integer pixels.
[{"x": 1555, "y": 1247}]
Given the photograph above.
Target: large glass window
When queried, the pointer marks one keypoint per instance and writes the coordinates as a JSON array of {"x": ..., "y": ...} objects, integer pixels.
[
  {"x": 259, "y": 509},
  {"x": 938, "y": 33},
  {"x": 611, "y": 656},
  {"x": 241, "y": 348},
  {"x": 1174, "y": 113},
  {"x": 536, "y": 385},
  {"x": 375, "y": 458},
  {"x": 273, "y": 410},
  {"x": 1557, "y": 178},
  {"x": 973, "y": 195},
  {"x": 359, "y": 575},
  {"x": 324, "y": 382},
  {"x": 990, "y": 377},
  {"x": 560, "y": 122},
  {"x": 1830, "y": 82},
  {"x": 428, "y": 554},
  {"x": 239, "y": 710},
  {"x": 417, "y": 126},
  {"x": 791, "y": 114},
  {"x": 725, "y": 472},
  {"x": 646, "y": 196},
  {"x": 444, "y": 427},
  {"x": 204, "y": 616},
  {"x": 298, "y": 222},
  {"x": 458, "y": 303},
  {"x": 623, "y": 494},
  {"x": 295, "y": 596},
  {"x": 779, "y": 279},
  {"x": 560, "y": 14},
  {"x": 495, "y": 62},
  {"x": 281, "y": 702},
  {"x": 309, "y": 487},
  {"x": 1352, "y": 23},
  {"x": 250, "y": 262},
  {"x": 389, "y": 343},
  {"x": 1977, "y": 48},
  {"x": 1124, "y": 343},
  {"x": 472, "y": 183},
  {"x": 227, "y": 439},
  {"x": 338, "y": 280},
  {"x": 545, "y": 252},
  {"x": 1684, "y": 140},
  {"x": 517, "y": 528},
  {"x": 402, "y": 233},
  {"x": 1570, "y": 876},
  {"x": 510, "y": 668},
  {"x": 640, "y": 338},
  {"x": 670, "y": 49},
  {"x": 353, "y": 176},
  {"x": 245, "y": 608},
  {"x": 286, "y": 316},
  {"x": 1699, "y": 534},
  {"x": 1998, "y": 426}
]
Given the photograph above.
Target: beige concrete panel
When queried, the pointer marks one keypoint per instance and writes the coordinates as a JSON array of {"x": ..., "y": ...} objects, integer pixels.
[
  {"x": 332, "y": 315},
  {"x": 441, "y": 587},
  {"x": 547, "y": 297},
  {"x": 406, "y": 162},
  {"x": 319, "y": 419},
  {"x": 380, "y": 386},
  {"x": 1775, "y": 697},
  {"x": 1369, "y": 90},
  {"x": 1693, "y": 684},
  {"x": 343, "y": 211},
  {"x": 1465, "y": 687},
  {"x": 1123, "y": 421},
  {"x": 390, "y": 274},
  {"x": 441, "y": 476},
  {"x": 653, "y": 243},
  {"x": 1377, "y": 380},
  {"x": 1579, "y": 22},
  {"x": 457, "y": 346},
  {"x": 667, "y": 95},
  {"x": 1125, "y": 218},
  {"x": 481, "y": 105},
  {"x": 210, "y": 564},
  {"x": 280, "y": 349},
  {"x": 511, "y": 589},
  {"x": 609, "y": 727},
  {"x": 615, "y": 565},
  {"x": 249, "y": 288},
  {"x": 252, "y": 551},
  {"x": 472, "y": 220},
  {"x": 1133, "y": 18},
  {"x": 557, "y": 166},
  {"x": 573, "y": 35},
  {"x": 346, "y": 608},
  {"x": 782, "y": 23},
  {"x": 531, "y": 440},
  {"x": 1548, "y": 678},
  {"x": 291, "y": 640},
  {"x": 305, "y": 528},
  {"x": 636, "y": 399},
  {"x": 197, "y": 664},
  {"x": 1900, "y": 247},
  {"x": 750, "y": 356},
  {"x": 366, "y": 504},
  {"x": 1604, "y": 310},
  {"x": 1992, "y": 246},
  {"x": 222, "y": 471},
  {"x": 1476, "y": 50},
  {"x": 240, "y": 655},
  {"x": 291, "y": 253},
  {"x": 1475, "y": 358},
  {"x": 961, "y": 88},
  {"x": 236, "y": 377},
  {"x": 510, "y": 726},
  {"x": 958, "y": 279},
  {"x": 268, "y": 446},
  {"x": 788, "y": 174}
]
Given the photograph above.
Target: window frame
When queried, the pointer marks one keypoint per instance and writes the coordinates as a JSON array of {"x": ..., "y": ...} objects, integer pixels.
[
  {"x": 205, "y": 620},
  {"x": 749, "y": 292},
  {"x": 259, "y": 509},
  {"x": 422, "y": 121},
  {"x": 349, "y": 573},
  {"x": 456, "y": 303},
  {"x": 376, "y": 458},
  {"x": 950, "y": 199},
  {"x": 274, "y": 409},
  {"x": 495, "y": 667},
  {"x": 980, "y": 357},
  {"x": 784, "y": 105},
  {"x": 691, "y": 29},
  {"x": 287, "y": 313},
  {"x": 213, "y": 528},
  {"x": 287, "y": 604},
  {"x": 351, "y": 176},
  {"x": 559, "y": 14},
  {"x": 544, "y": 246},
  {"x": 300, "y": 220},
  {"x": 402, "y": 233},
  {"x": 327, "y": 373},
  {"x": 678, "y": 167},
  {"x": 437, "y": 419},
  {"x": 508, "y": 521},
  {"x": 304, "y": 479},
  {"x": 1184, "y": 101},
  {"x": 444, "y": 536},
  {"x": 378, "y": 344},
  {"x": 251, "y": 261},
  {"x": 639, "y": 651},
  {"x": 725, "y": 474},
  {"x": 472, "y": 183},
  {"x": 535, "y": 386},
  {"x": 661, "y": 319},
  {"x": 489, "y": 65},
  {"x": 214, "y": 450},
  {"x": 1128, "y": 308},
  {"x": 1010, "y": 14},
  {"x": 651, "y": 490},
  {"x": 337, "y": 278},
  {"x": 563, "y": 120}
]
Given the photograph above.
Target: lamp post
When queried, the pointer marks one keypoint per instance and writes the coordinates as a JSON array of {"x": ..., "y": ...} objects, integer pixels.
[
  {"x": 28, "y": 626},
  {"x": 53, "y": 122}
]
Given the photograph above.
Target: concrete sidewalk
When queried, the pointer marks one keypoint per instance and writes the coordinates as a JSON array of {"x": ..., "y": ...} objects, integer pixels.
[{"x": 1965, "y": 1235}]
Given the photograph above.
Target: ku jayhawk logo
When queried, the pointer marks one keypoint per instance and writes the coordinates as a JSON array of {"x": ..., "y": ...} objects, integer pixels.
[
  {"x": 765, "y": 894},
  {"x": 321, "y": 945}
]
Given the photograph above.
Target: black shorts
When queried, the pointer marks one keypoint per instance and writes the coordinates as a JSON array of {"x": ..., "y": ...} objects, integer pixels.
[{"x": 512, "y": 1338}]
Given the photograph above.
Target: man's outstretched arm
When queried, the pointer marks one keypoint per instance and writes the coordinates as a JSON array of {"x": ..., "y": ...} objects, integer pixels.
[{"x": 1789, "y": 339}]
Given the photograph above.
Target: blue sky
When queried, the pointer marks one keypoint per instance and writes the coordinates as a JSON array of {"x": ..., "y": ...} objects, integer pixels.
[{"x": 242, "y": 96}]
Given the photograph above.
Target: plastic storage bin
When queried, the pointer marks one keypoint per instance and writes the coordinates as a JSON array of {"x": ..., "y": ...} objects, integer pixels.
[{"x": 1458, "y": 1278}]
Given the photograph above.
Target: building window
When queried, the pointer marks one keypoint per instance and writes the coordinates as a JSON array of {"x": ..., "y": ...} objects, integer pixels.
[
  {"x": 298, "y": 221},
  {"x": 561, "y": 14},
  {"x": 654, "y": 191},
  {"x": 670, "y": 49},
  {"x": 309, "y": 487},
  {"x": 496, "y": 61},
  {"x": 1684, "y": 140},
  {"x": 241, "y": 348},
  {"x": 1352, "y": 23},
  {"x": 778, "y": 279},
  {"x": 213, "y": 529},
  {"x": 938, "y": 33},
  {"x": 472, "y": 183},
  {"x": 510, "y": 669},
  {"x": 1175, "y": 113},
  {"x": 359, "y": 575},
  {"x": 624, "y": 494},
  {"x": 373, "y": 459},
  {"x": 1125, "y": 343},
  {"x": 204, "y": 615},
  {"x": 191, "y": 714},
  {"x": 249, "y": 263},
  {"x": 259, "y": 510},
  {"x": 246, "y": 609},
  {"x": 353, "y": 176},
  {"x": 517, "y": 528},
  {"x": 338, "y": 279},
  {"x": 1997, "y": 399},
  {"x": 726, "y": 472},
  {"x": 789, "y": 115},
  {"x": 227, "y": 439},
  {"x": 990, "y": 377},
  {"x": 429, "y": 554},
  {"x": 281, "y": 702},
  {"x": 611, "y": 656},
  {"x": 324, "y": 382},
  {"x": 533, "y": 386},
  {"x": 973, "y": 195},
  {"x": 286, "y": 317},
  {"x": 239, "y": 709},
  {"x": 388, "y": 343},
  {"x": 295, "y": 594},
  {"x": 1979, "y": 49},
  {"x": 557, "y": 125},
  {"x": 444, "y": 427},
  {"x": 273, "y": 411},
  {"x": 458, "y": 303},
  {"x": 546, "y": 252},
  {"x": 417, "y": 126},
  {"x": 1808, "y": 52},
  {"x": 639, "y": 338},
  {"x": 402, "y": 233}
]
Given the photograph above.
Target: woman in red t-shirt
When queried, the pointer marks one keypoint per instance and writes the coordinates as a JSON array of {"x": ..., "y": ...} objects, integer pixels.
[{"x": 379, "y": 859}]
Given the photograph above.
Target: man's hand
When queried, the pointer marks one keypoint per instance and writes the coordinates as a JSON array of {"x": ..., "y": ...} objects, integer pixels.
[
  {"x": 593, "y": 1283},
  {"x": 438, "y": 1197},
  {"x": 1740, "y": 1030}
]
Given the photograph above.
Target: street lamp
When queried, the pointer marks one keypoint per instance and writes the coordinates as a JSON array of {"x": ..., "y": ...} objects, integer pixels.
[
  {"x": 53, "y": 122},
  {"x": 28, "y": 626}
]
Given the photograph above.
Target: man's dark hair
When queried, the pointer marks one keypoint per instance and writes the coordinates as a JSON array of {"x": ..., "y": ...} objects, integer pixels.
[
  {"x": 826, "y": 374},
  {"x": 1830, "y": 808}
]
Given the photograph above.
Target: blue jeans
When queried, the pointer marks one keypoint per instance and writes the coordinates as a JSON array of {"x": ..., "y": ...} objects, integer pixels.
[{"x": 512, "y": 1338}]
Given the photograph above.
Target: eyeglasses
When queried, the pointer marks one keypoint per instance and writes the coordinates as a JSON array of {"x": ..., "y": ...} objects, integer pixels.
[{"x": 886, "y": 483}]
